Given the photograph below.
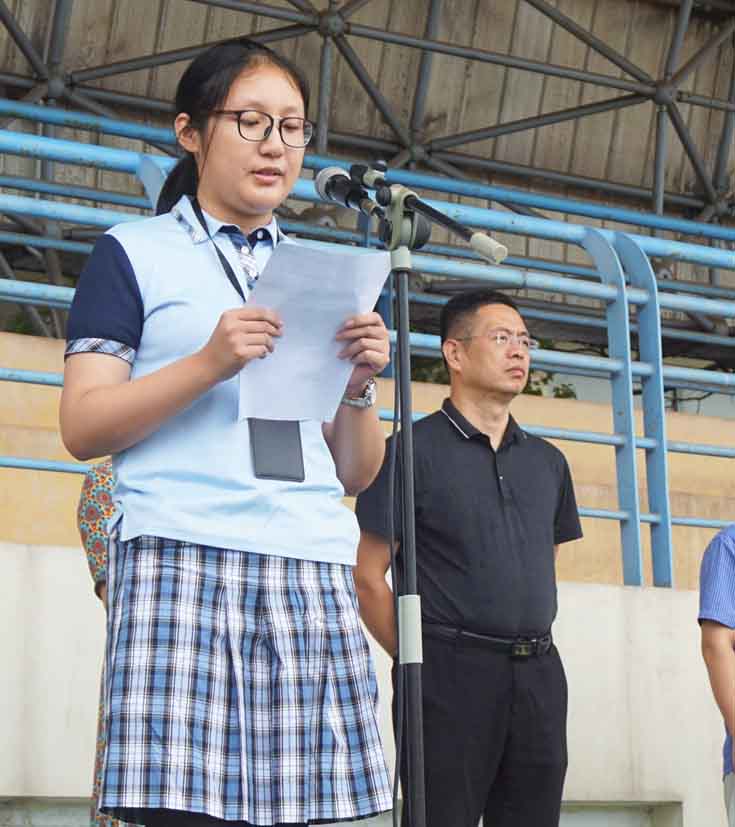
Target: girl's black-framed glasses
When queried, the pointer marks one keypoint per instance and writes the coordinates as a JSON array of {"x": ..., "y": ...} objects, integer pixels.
[{"x": 258, "y": 126}]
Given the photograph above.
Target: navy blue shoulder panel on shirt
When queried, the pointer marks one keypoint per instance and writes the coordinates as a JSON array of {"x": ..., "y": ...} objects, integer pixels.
[{"x": 107, "y": 303}]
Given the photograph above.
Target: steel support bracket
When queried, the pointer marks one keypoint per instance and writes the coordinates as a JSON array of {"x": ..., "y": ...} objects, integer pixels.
[
  {"x": 639, "y": 271},
  {"x": 611, "y": 273}
]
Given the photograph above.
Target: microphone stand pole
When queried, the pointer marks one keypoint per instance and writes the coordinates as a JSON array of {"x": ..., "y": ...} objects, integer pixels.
[{"x": 405, "y": 227}]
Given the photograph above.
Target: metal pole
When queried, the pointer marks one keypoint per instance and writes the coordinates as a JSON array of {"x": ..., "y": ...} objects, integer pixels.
[
  {"x": 81, "y": 99},
  {"x": 73, "y": 191},
  {"x": 260, "y": 8},
  {"x": 34, "y": 241},
  {"x": 22, "y": 42},
  {"x": 593, "y": 42},
  {"x": 55, "y": 59},
  {"x": 176, "y": 55},
  {"x": 659, "y": 175},
  {"x": 618, "y": 318},
  {"x": 422, "y": 82},
  {"x": 709, "y": 103},
  {"x": 104, "y": 120},
  {"x": 536, "y": 121},
  {"x": 137, "y": 102},
  {"x": 447, "y": 169},
  {"x": 527, "y": 65},
  {"x": 36, "y": 94},
  {"x": 415, "y": 799},
  {"x": 499, "y": 59},
  {"x": 638, "y": 268},
  {"x": 703, "y": 53},
  {"x": 304, "y": 6},
  {"x": 377, "y": 97},
  {"x": 682, "y": 22},
  {"x": 726, "y": 141},
  {"x": 562, "y": 178},
  {"x": 326, "y": 70},
  {"x": 59, "y": 31},
  {"x": 691, "y": 151},
  {"x": 34, "y": 317}
]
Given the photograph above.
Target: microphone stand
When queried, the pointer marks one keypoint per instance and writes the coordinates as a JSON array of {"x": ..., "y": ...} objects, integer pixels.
[{"x": 406, "y": 226}]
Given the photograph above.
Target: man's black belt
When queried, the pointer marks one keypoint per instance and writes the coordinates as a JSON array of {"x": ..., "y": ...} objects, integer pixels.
[{"x": 519, "y": 647}]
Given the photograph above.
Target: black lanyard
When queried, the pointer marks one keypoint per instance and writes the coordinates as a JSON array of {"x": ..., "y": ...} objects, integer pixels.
[{"x": 222, "y": 260}]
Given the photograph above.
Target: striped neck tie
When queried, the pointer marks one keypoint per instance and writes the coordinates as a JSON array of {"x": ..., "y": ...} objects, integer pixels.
[{"x": 244, "y": 247}]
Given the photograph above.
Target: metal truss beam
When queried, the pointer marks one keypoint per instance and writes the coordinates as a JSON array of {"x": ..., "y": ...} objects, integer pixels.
[
  {"x": 59, "y": 31},
  {"x": 455, "y": 50},
  {"x": 706, "y": 51},
  {"x": 422, "y": 81},
  {"x": 724, "y": 150},
  {"x": 303, "y": 5},
  {"x": 34, "y": 317},
  {"x": 22, "y": 41},
  {"x": 499, "y": 59},
  {"x": 377, "y": 97},
  {"x": 388, "y": 148},
  {"x": 691, "y": 150},
  {"x": 263, "y": 10},
  {"x": 326, "y": 73},
  {"x": 536, "y": 121},
  {"x": 661, "y": 152},
  {"x": 708, "y": 103},
  {"x": 591, "y": 40},
  {"x": 35, "y": 95},
  {"x": 85, "y": 102},
  {"x": 175, "y": 55},
  {"x": 677, "y": 41}
]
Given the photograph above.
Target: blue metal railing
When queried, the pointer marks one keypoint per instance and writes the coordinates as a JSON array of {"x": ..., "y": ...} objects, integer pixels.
[
  {"x": 159, "y": 135},
  {"x": 620, "y": 277}
]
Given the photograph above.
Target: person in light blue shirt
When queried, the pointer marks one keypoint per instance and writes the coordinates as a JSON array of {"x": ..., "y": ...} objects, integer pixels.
[
  {"x": 717, "y": 619},
  {"x": 239, "y": 684}
]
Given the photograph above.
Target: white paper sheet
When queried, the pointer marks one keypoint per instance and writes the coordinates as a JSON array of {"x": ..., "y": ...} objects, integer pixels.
[{"x": 314, "y": 291}]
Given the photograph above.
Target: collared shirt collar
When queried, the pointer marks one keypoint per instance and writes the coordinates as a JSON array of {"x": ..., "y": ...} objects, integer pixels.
[
  {"x": 183, "y": 212},
  {"x": 513, "y": 432}
]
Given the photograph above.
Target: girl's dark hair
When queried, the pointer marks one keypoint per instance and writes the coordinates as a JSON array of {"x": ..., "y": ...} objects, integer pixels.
[{"x": 204, "y": 86}]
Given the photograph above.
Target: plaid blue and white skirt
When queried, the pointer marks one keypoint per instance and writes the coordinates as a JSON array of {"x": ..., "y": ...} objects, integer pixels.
[{"x": 239, "y": 685}]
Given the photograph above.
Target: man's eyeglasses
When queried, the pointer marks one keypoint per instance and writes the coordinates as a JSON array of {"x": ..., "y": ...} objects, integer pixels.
[
  {"x": 504, "y": 338},
  {"x": 258, "y": 126}
]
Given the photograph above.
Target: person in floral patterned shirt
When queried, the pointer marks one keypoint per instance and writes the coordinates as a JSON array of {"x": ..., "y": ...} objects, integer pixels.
[{"x": 94, "y": 509}]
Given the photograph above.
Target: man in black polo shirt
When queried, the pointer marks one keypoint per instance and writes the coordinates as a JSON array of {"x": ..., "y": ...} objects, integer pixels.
[{"x": 492, "y": 505}]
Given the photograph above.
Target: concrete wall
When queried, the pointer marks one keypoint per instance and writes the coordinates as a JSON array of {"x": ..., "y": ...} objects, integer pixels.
[
  {"x": 37, "y": 507},
  {"x": 642, "y": 729}
]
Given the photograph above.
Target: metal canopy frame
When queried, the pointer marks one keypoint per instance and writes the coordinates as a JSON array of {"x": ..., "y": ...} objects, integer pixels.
[{"x": 52, "y": 78}]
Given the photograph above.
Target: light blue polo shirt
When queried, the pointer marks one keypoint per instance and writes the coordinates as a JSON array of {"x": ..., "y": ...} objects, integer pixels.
[
  {"x": 717, "y": 597},
  {"x": 151, "y": 293}
]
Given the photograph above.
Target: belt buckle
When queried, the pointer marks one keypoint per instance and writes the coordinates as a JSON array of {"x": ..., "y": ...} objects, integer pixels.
[{"x": 523, "y": 649}]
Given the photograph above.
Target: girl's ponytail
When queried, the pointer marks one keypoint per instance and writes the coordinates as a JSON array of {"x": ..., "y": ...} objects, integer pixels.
[{"x": 182, "y": 180}]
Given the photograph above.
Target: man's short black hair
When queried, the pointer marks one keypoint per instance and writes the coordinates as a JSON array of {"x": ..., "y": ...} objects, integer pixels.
[{"x": 457, "y": 312}]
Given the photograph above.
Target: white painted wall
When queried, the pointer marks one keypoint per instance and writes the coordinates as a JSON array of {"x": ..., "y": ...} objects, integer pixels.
[{"x": 642, "y": 727}]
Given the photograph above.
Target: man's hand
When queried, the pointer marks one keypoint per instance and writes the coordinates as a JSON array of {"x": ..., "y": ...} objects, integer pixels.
[
  {"x": 241, "y": 335},
  {"x": 367, "y": 346}
]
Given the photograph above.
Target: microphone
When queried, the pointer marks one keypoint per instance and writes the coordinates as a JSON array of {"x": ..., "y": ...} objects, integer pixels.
[
  {"x": 334, "y": 184},
  {"x": 490, "y": 249}
]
